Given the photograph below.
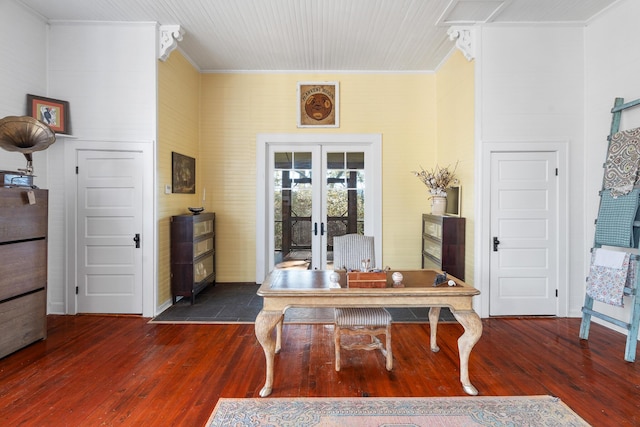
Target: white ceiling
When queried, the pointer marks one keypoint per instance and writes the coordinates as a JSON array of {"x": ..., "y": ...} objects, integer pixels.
[{"x": 318, "y": 35}]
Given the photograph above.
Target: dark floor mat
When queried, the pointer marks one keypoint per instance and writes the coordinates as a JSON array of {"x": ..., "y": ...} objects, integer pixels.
[{"x": 239, "y": 303}]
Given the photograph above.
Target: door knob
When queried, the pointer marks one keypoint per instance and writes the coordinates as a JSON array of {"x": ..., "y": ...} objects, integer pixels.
[
  {"x": 496, "y": 242},
  {"x": 136, "y": 239}
]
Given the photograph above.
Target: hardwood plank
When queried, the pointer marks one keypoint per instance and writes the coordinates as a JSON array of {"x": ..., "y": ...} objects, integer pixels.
[{"x": 95, "y": 370}]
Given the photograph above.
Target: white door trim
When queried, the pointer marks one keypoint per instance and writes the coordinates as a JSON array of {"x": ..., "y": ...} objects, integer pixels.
[
  {"x": 149, "y": 237},
  {"x": 374, "y": 183},
  {"x": 482, "y": 250}
]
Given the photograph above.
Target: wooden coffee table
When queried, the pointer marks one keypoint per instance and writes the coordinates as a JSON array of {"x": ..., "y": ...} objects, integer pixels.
[{"x": 283, "y": 289}]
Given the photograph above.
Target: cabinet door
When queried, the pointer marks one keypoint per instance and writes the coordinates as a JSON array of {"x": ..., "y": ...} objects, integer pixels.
[
  {"x": 201, "y": 228},
  {"x": 432, "y": 228},
  {"x": 429, "y": 263},
  {"x": 431, "y": 247},
  {"x": 203, "y": 269},
  {"x": 202, "y": 247}
]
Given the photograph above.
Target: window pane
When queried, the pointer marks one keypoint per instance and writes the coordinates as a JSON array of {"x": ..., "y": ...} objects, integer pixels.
[
  {"x": 301, "y": 203},
  {"x": 302, "y": 161},
  {"x": 282, "y": 160},
  {"x": 302, "y": 179},
  {"x": 355, "y": 160},
  {"x": 277, "y": 180},
  {"x": 335, "y": 160}
]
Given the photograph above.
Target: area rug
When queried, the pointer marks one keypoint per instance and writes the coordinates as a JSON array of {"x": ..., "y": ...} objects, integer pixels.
[{"x": 415, "y": 411}]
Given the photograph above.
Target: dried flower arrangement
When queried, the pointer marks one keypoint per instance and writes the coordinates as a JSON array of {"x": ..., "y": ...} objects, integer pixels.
[{"x": 437, "y": 179}]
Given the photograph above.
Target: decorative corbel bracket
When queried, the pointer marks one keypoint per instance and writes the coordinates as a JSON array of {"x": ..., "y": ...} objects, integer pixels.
[
  {"x": 170, "y": 35},
  {"x": 465, "y": 40}
]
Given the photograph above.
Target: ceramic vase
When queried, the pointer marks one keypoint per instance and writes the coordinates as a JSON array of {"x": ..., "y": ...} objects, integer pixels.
[{"x": 438, "y": 205}]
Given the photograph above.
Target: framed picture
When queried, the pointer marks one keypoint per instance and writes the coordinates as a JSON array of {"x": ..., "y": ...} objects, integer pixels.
[
  {"x": 183, "y": 174},
  {"x": 454, "y": 201},
  {"x": 318, "y": 104},
  {"x": 53, "y": 112}
]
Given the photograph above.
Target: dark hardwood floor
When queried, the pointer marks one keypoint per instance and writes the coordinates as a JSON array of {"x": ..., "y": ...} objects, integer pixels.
[{"x": 95, "y": 370}]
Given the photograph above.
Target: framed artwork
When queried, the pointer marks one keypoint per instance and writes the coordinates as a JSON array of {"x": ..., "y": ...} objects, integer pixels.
[
  {"x": 318, "y": 104},
  {"x": 183, "y": 174},
  {"x": 454, "y": 201},
  {"x": 52, "y": 112}
]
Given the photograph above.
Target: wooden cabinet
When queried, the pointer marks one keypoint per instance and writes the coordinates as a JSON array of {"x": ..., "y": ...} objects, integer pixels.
[
  {"x": 23, "y": 270},
  {"x": 443, "y": 244},
  {"x": 193, "y": 254}
]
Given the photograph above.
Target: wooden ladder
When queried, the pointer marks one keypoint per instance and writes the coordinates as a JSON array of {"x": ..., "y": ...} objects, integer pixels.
[{"x": 587, "y": 310}]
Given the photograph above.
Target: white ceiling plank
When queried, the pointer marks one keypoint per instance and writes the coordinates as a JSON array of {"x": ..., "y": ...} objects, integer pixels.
[{"x": 318, "y": 35}]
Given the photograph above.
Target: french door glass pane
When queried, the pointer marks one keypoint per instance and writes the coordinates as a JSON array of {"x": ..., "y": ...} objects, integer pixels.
[
  {"x": 345, "y": 195},
  {"x": 292, "y": 209}
]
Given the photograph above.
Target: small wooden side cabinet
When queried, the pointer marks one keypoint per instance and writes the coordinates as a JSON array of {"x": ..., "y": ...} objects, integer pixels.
[
  {"x": 443, "y": 244},
  {"x": 193, "y": 254},
  {"x": 23, "y": 270}
]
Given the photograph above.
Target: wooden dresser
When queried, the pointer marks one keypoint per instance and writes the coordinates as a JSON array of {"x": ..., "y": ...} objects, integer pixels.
[
  {"x": 443, "y": 244},
  {"x": 193, "y": 254},
  {"x": 23, "y": 270}
]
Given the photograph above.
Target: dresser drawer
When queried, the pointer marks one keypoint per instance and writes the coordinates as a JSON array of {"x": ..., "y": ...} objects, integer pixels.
[
  {"x": 23, "y": 268},
  {"x": 20, "y": 220},
  {"x": 23, "y": 321}
]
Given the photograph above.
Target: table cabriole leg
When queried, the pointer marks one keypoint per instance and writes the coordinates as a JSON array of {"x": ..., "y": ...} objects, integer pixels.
[
  {"x": 266, "y": 321},
  {"x": 279, "y": 335},
  {"x": 472, "y": 332},
  {"x": 434, "y": 315}
]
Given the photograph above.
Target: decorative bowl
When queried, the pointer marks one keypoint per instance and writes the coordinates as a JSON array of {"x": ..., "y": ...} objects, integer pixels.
[{"x": 196, "y": 211}]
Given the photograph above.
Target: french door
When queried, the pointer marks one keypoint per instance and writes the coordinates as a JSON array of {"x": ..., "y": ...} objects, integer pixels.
[
  {"x": 313, "y": 192},
  {"x": 318, "y": 193}
]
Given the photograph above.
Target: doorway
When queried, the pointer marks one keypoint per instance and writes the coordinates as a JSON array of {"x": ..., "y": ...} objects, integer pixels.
[
  {"x": 311, "y": 188},
  {"x": 522, "y": 251},
  {"x": 109, "y": 213},
  {"x": 145, "y": 276},
  {"x": 318, "y": 193}
]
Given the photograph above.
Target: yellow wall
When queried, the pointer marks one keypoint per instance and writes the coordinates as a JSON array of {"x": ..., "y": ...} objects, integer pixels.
[
  {"x": 178, "y": 130},
  {"x": 424, "y": 119},
  {"x": 236, "y": 107},
  {"x": 455, "y": 136}
]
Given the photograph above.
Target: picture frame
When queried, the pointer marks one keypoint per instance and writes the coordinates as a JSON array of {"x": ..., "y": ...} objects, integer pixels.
[
  {"x": 183, "y": 174},
  {"x": 318, "y": 104},
  {"x": 454, "y": 201},
  {"x": 52, "y": 112}
]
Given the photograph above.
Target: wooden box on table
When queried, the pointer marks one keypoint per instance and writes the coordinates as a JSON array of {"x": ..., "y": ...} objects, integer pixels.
[{"x": 361, "y": 279}]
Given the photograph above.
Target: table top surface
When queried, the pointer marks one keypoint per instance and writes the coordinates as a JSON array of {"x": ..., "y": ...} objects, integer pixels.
[{"x": 317, "y": 282}]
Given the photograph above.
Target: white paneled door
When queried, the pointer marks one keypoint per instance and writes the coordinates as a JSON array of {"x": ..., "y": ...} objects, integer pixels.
[
  {"x": 524, "y": 233},
  {"x": 109, "y": 218}
]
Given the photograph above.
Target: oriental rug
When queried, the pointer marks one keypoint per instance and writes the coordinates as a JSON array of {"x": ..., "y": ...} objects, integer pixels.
[{"x": 387, "y": 412}]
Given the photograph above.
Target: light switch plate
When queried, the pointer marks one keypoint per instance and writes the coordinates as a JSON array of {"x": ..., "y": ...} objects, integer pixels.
[{"x": 167, "y": 189}]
